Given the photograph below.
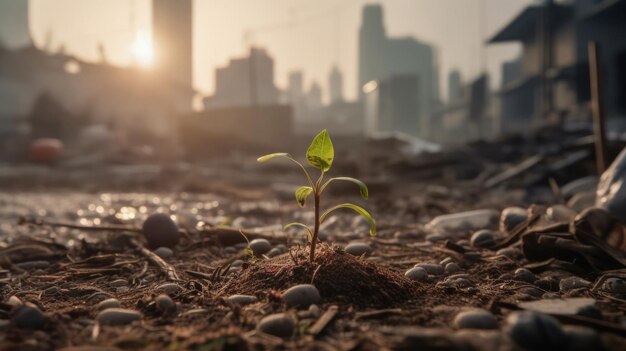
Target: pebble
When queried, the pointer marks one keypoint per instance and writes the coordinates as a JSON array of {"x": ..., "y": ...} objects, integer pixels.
[
  {"x": 53, "y": 290},
  {"x": 260, "y": 246},
  {"x": 458, "y": 282},
  {"x": 108, "y": 303},
  {"x": 431, "y": 268},
  {"x": 581, "y": 338},
  {"x": 14, "y": 301},
  {"x": 571, "y": 283},
  {"x": 560, "y": 213},
  {"x": 509, "y": 252},
  {"x": 278, "y": 324},
  {"x": 29, "y": 316},
  {"x": 164, "y": 252},
  {"x": 614, "y": 286},
  {"x": 302, "y": 295},
  {"x": 530, "y": 291},
  {"x": 452, "y": 268},
  {"x": 475, "y": 319},
  {"x": 358, "y": 249},
  {"x": 230, "y": 250},
  {"x": 241, "y": 299},
  {"x": 483, "y": 238},
  {"x": 118, "y": 316},
  {"x": 434, "y": 238},
  {"x": 416, "y": 273},
  {"x": 118, "y": 283},
  {"x": 315, "y": 311},
  {"x": 548, "y": 284},
  {"x": 524, "y": 275},
  {"x": 165, "y": 304},
  {"x": 169, "y": 288},
  {"x": 535, "y": 331},
  {"x": 160, "y": 231},
  {"x": 273, "y": 252},
  {"x": 512, "y": 217}
]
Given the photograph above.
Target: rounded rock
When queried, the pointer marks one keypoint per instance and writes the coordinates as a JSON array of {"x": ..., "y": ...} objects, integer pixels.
[
  {"x": 160, "y": 231},
  {"x": 29, "y": 316},
  {"x": 475, "y": 319},
  {"x": 14, "y": 301},
  {"x": 512, "y": 217},
  {"x": 108, "y": 303},
  {"x": 431, "y": 268},
  {"x": 509, "y": 252},
  {"x": 260, "y": 246},
  {"x": 571, "y": 283},
  {"x": 615, "y": 286},
  {"x": 165, "y": 304},
  {"x": 582, "y": 338},
  {"x": 416, "y": 273},
  {"x": 524, "y": 275},
  {"x": 278, "y": 324},
  {"x": 452, "y": 268},
  {"x": 358, "y": 249},
  {"x": 164, "y": 252},
  {"x": 241, "y": 299},
  {"x": 118, "y": 316},
  {"x": 535, "y": 331},
  {"x": 169, "y": 288},
  {"x": 483, "y": 238},
  {"x": 273, "y": 252},
  {"x": 302, "y": 295}
]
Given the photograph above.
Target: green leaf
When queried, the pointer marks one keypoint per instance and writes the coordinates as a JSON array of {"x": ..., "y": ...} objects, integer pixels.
[
  {"x": 321, "y": 152},
  {"x": 302, "y": 193},
  {"x": 358, "y": 210},
  {"x": 298, "y": 224},
  {"x": 362, "y": 186},
  {"x": 271, "y": 156}
]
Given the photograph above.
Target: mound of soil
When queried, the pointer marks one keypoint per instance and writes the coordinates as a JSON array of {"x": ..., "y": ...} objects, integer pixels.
[{"x": 339, "y": 276}]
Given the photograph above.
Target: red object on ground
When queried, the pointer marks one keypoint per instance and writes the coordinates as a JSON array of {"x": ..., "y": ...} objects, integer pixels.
[{"x": 46, "y": 149}]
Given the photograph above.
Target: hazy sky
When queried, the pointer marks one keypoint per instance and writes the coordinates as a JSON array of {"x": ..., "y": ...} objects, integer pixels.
[{"x": 299, "y": 34}]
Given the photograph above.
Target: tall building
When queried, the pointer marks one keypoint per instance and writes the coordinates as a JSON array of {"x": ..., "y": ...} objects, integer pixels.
[
  {"x": 245, "y": 81},
  {"x": 295, "y": 86},
  {"x": 314, "y": 96},
  {"x": 14, "y": 28},
  {"x": 382, "y": 57},
  {"x": 455, "y": 86},
  {"x": 172, "y": 38},
  {"x": 335, "y": 85}
]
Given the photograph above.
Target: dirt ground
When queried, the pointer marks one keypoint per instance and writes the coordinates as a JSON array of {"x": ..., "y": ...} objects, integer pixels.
[{"x": 367, "y": 302}]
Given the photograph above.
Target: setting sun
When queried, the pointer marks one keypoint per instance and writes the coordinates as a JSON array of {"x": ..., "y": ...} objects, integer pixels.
[{"x": 142, "y": 51}]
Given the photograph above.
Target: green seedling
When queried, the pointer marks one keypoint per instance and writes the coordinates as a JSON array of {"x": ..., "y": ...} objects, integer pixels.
[{"x": 321, "y": 155}]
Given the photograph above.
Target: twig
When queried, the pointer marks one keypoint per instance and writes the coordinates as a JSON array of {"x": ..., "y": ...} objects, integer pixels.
[
  {"x": 324, "y": 320},
  {"x": 40, "y": 222},
  {"x": 165, "y": 267}
]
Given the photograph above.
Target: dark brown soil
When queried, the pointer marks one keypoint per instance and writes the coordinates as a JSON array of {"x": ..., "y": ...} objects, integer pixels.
[{"x": 340, "y": 277}]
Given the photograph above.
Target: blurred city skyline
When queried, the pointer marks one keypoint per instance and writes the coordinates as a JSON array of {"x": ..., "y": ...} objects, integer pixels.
[{"x": 298, "y": 34}]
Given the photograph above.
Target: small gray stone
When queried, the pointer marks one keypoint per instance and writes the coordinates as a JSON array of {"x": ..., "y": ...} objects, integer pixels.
[
  {"x": 524, "y": 275},
  {"x": 302, "y": 295},
  {"x": 560, "y": 213},
  {"x": 164, "y": 252},
  {"x": 29, "y": 316},
  {"x": 278, "y": 324},
  {"x": 431, "y": 268},
  {"x": 483, "y": 238},
  {"x": 614, "y": 286},
  {"x": 165, "y": 304},
  {"x": 241, "y": 299},
  {"x": 512, "y": 217},
  {"x": 417, "y": 273},
  {"x": 109, "y": 303},
  {"x": 571, "y": 283},
  {"x": 475, "y": 319},
  {"x": 118, "y": 283},
  {"x": 458, "y": 281},
  {"x": 260, "y": 246},
  {"x": 452, "y": 268},
  {"x": 230, "y": 250},
  {"x": 169, "y": 288},
  {"x": 160, "y": 231},
  {"x": 118, "y": 316},
  {"x": 548, "y": 284},
  {"x": 509, "y": 252},
  {"x": 315, "y": 311},
  {"x": 273, "y": 252},
  {"x": 535, "y": 331},
  {"x": 358, "y": 249}
]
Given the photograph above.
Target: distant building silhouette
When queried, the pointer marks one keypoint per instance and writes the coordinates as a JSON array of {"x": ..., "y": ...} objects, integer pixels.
[
  {"x": 335, "y": 85},
  {"x": 314, "y": 96},
  {"x": 14, "y": 24},
  {"x": 381, "y": 57},
  {"x": 172, "y": 36},
  {"x": 245, "y": 81},
  {"x": 295, "y": 86},
  {"x": 455, "y": 86}
]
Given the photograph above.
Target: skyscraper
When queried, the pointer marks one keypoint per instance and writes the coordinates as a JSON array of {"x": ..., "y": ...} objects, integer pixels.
[
  {"x": 14, "y": 29},
  {"x": 335, "y": 85},
  {"x": 372, "y": 42},
  {"x": 173, "y": 39}
]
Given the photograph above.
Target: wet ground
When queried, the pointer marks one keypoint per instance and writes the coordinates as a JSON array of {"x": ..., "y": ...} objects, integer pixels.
[{"x": 66, "y": 271}]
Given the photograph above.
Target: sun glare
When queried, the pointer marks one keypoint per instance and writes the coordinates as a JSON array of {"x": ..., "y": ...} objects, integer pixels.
[{"x": 142, "y": 51}]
